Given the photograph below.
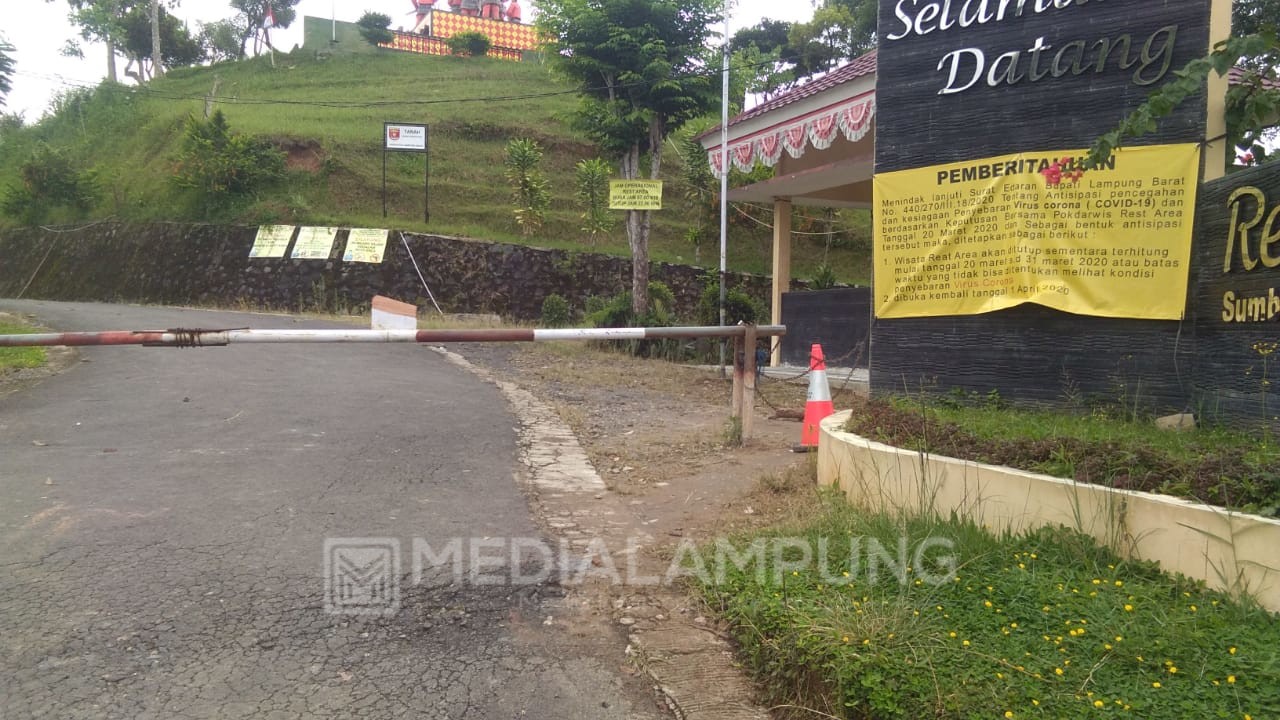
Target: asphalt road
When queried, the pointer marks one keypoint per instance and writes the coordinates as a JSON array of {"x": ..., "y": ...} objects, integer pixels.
[{"x": 163, "y": 519}]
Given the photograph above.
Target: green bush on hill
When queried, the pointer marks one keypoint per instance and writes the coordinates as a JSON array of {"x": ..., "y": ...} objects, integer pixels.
[
  {"x": 220, "y": 165},
  {"x": 475, "y": 44}
]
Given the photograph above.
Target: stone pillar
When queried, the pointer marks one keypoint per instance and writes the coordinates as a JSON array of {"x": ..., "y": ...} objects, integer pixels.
[
  {"x": 781, "y": 269},
  {"x": 1216, "y": 152}
]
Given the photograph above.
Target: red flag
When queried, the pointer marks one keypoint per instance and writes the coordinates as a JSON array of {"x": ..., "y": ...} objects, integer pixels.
[{"x": 270, "y": 20}]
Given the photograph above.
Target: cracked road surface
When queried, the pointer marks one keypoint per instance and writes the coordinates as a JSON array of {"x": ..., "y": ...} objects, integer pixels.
[{"x": 163, "y": 515}]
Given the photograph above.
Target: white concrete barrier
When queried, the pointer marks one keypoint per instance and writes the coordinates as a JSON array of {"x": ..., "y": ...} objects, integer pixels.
[{"x": 1231, "y": 551}]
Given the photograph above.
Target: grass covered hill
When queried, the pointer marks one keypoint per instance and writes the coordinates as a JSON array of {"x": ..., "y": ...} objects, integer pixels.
[{"x": 327, "y": 114}]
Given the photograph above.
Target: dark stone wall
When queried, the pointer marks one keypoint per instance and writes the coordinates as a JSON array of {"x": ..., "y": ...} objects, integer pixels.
[
  {"x": 839, "y": 319},
  {"x": 210, "y": 265}
]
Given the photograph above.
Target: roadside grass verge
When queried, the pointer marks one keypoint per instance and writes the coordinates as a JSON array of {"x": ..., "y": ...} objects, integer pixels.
[
  {"x": 16, "y": 358},
  {"x": 854, "y": 615},
  {"x": 1213, "y": 465}
]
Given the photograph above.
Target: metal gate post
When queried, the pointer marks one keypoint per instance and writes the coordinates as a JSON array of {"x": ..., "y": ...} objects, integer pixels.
[{"x": 748, "y": 380}]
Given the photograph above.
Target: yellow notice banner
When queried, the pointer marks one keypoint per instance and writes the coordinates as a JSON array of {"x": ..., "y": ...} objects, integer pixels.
[
  {"x": 272, "y": 241},
  {"x": 365, "y": 245},
  {"x": 984, "y": 235},
  {"x": 635, "y": 194},
  {"x": 314, "y": 243}
]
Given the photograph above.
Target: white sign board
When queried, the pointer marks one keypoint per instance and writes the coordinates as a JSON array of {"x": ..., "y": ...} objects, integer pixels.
[
  {"x": 399, "y": 136},
  {"x": 314, "y": 243},
  {"x": 271, "y": 241},
  {"x": 365, "y": 245}
]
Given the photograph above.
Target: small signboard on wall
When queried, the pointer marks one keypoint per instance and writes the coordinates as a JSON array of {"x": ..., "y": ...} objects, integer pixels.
[
  {"x": 314, "y": 243},
  {"x": 365, "y": 245},
  {"x": 271, "y": 241}
]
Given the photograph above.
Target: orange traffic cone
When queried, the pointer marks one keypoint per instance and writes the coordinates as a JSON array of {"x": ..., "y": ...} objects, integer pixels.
[{"x": 818, "y": 405}]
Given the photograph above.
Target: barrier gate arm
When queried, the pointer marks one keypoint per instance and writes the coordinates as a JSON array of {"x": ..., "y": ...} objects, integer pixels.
[{"x": 744, "y": 341}]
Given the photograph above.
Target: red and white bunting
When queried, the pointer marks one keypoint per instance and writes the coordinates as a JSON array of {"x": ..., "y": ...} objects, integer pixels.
[{"x": 852, "y": 119}]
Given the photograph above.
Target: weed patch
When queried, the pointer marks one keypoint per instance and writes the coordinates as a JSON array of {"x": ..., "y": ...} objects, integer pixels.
[
  {"x": 14, "y": 358},
  {"x": 1038, "y": 625}
]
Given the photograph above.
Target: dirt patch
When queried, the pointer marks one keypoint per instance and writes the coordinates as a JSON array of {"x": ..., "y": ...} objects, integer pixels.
[
  {"x": 303, "y": 155},
  {"x": 655, "y": 432}
]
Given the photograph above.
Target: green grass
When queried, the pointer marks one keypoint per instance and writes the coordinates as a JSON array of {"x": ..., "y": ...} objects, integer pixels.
[
  {"x": 131, "y": 137},
  {"x": 1229, "y": 468},
  {"x": 14, "y": 358},
  {"x": 1038, "y": 625}
]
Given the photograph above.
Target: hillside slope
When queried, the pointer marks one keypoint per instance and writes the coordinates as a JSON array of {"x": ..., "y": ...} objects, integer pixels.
[{"x": 327, "y": 113}]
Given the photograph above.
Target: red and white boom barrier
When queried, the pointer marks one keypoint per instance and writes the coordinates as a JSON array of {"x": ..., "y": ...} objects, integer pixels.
[{"x": 181, "y": 337}]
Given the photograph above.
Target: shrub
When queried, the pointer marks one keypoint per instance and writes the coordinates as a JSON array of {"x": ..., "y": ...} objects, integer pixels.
[
  {"x": 475, "y": 44},
  {"x": 530, "y": 190},
  {"x": 220, "y": 165},
  {"x": 555, "y": 311},
  {"x": 824, "y": 277},
  {"x": 373, "y": 27},
  {"x": 738, "y": 305},
  {"x": 593, "y": 194},
  {"x": 616, "y": 312},
  {"x": 49, "y": 180}
]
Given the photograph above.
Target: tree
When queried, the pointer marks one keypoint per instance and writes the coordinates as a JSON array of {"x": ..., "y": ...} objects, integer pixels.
[
  {"x": 373, "y": 27},
  {"x": 840, "y": 30},
  {"x": 177, "y": 46},
  {"x": 640, "y": 68},
  {"x": 221, "y": 40},
  {"x": 254, "y": 20},
  {"x": 763, "y": 60},
  {"x": 99, "y": 21},
  {"x": 1253, "y": 100},
  {"x": 6, "y": 70}
]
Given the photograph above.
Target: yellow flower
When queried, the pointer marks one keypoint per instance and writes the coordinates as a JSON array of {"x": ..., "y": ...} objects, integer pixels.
[
  {"x": 1057, "y": 671},
  {"x": 1193, "y": 608},
  {"x": 965, "y": 643},
  {"x": 845, "y": 638},
  {"x": 986, "y": 603},
  {"x": 1008, "y": 713},
  {"x": 1128, "y": 607},
  {"x": 1231, "y": 650},
  {"x": 1097, "y": 703},
  {"x": 951, "y": 634},
  {"x": 1033, "y": 556},
  {"x": 999, "y": 676},
  {"x": 1119, "y": 638},
  {"x": 1119, "y": 583},
  {"x": 1155, "y": 684},
  {"x": 1172, "y": 669},
  {"x": 1015, "y": 625},
  {"x": 1035, "y": 702},
  {"x": 1231, "y": 679},
  {"x": 1106, "y": 646},
  {"x": 1096, "y": 581}
]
